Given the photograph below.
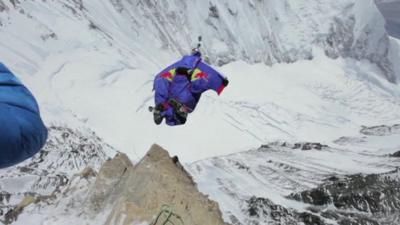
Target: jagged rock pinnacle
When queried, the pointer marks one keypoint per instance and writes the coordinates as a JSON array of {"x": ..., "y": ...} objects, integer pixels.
[{"x": 136, "y": 193}]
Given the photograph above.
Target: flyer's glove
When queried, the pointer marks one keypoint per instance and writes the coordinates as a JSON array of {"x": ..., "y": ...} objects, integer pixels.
[{"x": 225, "y": 81}]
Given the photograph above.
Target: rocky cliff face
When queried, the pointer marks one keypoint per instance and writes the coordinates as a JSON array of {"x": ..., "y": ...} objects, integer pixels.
[
  {"x": 136, "y": 194},
  {"x": 74, "y": 189}
]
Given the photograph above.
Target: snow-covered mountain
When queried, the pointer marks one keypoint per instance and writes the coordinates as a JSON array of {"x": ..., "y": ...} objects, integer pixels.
[
  {"x": 91, "y": 63},
  {"x": 354, "y": 181},
  {"x": 300, "y": 72},
  {"x": 255, "y": 31},
  {"x": 69, "y": 158}
]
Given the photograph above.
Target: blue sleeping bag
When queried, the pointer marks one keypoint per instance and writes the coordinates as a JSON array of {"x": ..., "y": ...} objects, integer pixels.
[{"x": 22, "y": 132}]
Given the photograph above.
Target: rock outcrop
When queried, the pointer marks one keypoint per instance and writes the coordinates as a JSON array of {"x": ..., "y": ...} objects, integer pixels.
[
  {"x": 382, "y": 130},
  {"x": 43, "y": 177},
  {"x": 357, "y": 199},
  {"x": 135, "y": 194},
  {"x": 352, "y": 200}
]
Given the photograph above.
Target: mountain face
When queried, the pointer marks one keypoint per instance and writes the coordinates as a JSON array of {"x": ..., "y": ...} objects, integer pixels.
[
  {"x": 136, "y": 193},
  {"x": 280, "y": 31},
  {"x": 73, "y": 180},
  {"x": 354, "y": 182},
  {"x": 76, "y": 181},
  {"x": 92, "y": 63}
]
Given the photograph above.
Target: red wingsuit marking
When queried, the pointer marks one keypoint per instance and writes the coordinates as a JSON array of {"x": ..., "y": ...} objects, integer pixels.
[
  {"x": 201, "y": 75},
  {"x": 220, "y": 89},
  {"x": 167, "y": 75}
]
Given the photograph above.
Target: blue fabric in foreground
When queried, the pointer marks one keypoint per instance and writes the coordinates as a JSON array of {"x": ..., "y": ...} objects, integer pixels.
[{"x": 22, "y": 132}]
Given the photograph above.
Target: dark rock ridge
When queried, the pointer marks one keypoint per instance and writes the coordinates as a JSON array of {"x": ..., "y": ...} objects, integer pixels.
[
  {"x": 309, "y": 146},
  {"x": 264, "y": 211},
  {"x": 357, "y": 199},
  {"x": 304, "y": 146},
  {"x": 382, "y": 130},
  {"x": 396, "y": 154},
  {"x": 350, "y": 140},
  {"x": 351, "y": 200}
]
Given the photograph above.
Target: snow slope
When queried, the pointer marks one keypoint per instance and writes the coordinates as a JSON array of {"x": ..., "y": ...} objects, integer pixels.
[
  {"x": 91, "y": 64},
  {"x": 308, "y": 100},
  {"x": 67, "y": 163},
  {"x": 280, "y": 169}
]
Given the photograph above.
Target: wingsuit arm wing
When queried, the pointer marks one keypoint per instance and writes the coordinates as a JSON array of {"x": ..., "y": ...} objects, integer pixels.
[{"x": 206, "y": 78}]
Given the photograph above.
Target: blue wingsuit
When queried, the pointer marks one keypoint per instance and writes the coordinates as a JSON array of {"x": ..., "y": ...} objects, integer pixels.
[
  {"x": 22, "y": 132},
  {"x": 184, "y": 82}
]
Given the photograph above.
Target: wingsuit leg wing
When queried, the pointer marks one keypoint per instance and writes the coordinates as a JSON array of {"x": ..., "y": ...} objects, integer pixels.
[{"x": 22, "y": 132}]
